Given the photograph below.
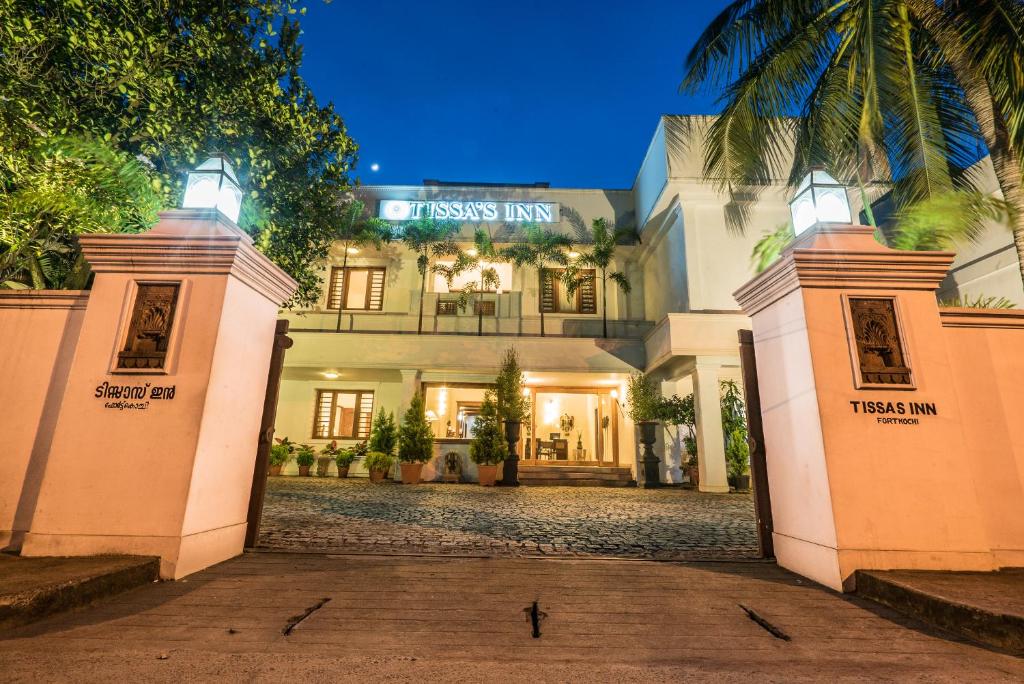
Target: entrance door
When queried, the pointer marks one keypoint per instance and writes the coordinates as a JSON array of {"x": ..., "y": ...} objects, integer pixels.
[{"x": 571, "y": 426}]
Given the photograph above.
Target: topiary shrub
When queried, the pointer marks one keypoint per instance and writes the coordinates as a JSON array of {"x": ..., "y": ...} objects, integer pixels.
[
  {"x": 488, "y": 446},
  {"x": 415, "y": 438}
]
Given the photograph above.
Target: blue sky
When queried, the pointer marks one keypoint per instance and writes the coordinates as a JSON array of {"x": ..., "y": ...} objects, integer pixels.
[{"x": 561, "y": 91}]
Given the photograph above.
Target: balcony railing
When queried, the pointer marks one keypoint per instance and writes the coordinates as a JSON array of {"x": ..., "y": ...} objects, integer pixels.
[{"x": 492, "y": 314}]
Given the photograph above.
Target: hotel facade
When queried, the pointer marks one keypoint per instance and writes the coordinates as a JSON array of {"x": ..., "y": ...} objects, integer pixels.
[{"x": 358, "y": 352}]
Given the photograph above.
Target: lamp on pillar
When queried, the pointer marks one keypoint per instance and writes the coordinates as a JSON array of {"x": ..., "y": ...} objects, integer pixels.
[
  {"x": 213, "y": 185},
  {"x": 820, "y": 198}
]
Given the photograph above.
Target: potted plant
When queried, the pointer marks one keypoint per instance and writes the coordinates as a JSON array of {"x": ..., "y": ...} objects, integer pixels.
[
  {"x": 279, "y": 455},
  {"x": 305, "y": 456},
  {"x": 415, "y": 441},
  {"x": 677, "y": 414},
  {"x": 513, "y": 405},
  {"x": 488, "y": 447},
  {"x": 734, "y": 428},
  {"x": 323, "y": 461},
  {"x": 378, "y": 463},
  {"x": 284, "y": 450},
  {"x": 343, "y": 459},
  {"x": 643, "y": 401},
  {"x": 383, "y": 435}
]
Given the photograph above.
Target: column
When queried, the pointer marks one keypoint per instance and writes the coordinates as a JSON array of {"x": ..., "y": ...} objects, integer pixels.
[
  {"x": 154, "y": 445},
  {"x": 710, "y": 440}
]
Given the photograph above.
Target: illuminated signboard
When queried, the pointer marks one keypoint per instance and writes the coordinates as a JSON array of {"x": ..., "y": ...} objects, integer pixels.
[{"x": 470, "y": 210}]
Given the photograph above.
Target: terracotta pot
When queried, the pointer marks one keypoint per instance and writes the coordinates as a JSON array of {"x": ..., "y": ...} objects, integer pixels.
[
  {"x": 694, "y": 474},
  {"x": 487, "y": 474},
  {"x": 276, "y": 469},
  {"x": 377, "y": 474},
  {"x": 342, "y": 471},
  {"x": 412, "y": 473},
  {"x": 304, "y": 470}
]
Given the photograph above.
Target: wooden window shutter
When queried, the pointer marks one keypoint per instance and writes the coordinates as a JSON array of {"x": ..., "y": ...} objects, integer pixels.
[
  {"x": 336, "y": 288},
  {"x": 588, "y": 293},
  {"x": 322, "y": 419},
  {"x": 365, "y": 414},
  {"x": 375, "y": 296},
  {"x": 547, "y": 291}
]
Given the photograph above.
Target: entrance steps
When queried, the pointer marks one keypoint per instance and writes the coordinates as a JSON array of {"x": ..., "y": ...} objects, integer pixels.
[{"x": 575, "y": 476}]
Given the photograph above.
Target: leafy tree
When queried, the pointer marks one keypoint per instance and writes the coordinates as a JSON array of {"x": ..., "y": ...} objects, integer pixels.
[
  {"x": 429, "y": 238},
  {"x": 170, "y": 83},
  {"x": 508, "y": 391},
  {"x": 540, "y": 249},
  {"x": 357, "y": 229},
  {"x": 63, "y": 187},
  {"x": 488, "y": 446},
  {"x": 415, "y": 438},
  {"x": 896, "y": 90},
  {"x": 604, "y": 239},
  {"x": 383, "y": 433}
]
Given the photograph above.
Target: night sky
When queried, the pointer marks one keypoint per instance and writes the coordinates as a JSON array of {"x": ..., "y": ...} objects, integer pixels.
[{"x": 512, "y": 92}]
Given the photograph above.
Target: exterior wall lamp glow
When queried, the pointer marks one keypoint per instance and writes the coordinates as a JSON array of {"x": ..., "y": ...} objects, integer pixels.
[
  {"x": 819, "y": 199},
  {"x": 213, "y": 185}
]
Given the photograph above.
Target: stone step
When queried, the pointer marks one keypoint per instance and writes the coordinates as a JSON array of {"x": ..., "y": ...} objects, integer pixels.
[
  {"x": 592, "y": 482},
  {"x": 572, "y": 469},
  {"x": 576, "y": 476},
  {"x": 31, "y": 588}
]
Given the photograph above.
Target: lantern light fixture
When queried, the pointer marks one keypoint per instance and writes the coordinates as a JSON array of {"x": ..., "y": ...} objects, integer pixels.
[
  {"x": 213, "y": 185},
  {"x": 820, "y": 198}
]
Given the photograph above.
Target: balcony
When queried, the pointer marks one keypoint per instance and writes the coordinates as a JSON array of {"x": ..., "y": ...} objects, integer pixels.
[{"x": 501, "y": 315}]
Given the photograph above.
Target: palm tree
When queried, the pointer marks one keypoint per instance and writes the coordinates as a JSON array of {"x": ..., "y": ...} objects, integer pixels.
[
  {"x": 482, "y": 252},
  {"x": 429, "y": 238},
  {"x": 604, "y": 239},
  {"x": 356, "y": 230},
  {"x": 894, "y": 90},
  {"x": 540, "y": 249}
]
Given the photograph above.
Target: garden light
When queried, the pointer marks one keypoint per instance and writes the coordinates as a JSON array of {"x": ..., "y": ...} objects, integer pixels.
[
  {"x": 819, "y": 199},
  {"x": 213, "y": 185}
]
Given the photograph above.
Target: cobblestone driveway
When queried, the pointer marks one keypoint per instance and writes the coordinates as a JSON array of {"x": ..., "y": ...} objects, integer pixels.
[{"x": 352, "y": 515}]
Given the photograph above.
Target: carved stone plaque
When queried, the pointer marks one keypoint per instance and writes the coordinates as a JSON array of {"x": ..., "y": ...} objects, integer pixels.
[
  {"x": 149, "y": 331},
  {"x": 877, "y": 344}
]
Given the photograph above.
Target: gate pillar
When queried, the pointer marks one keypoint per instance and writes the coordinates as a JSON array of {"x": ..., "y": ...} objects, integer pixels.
[
  {"x": 863, "y": 429},
  {"x": 155, "y": 440}
]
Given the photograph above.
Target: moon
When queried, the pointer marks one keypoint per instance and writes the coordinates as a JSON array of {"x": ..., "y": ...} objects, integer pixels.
[{"x": 375, "y": 167}]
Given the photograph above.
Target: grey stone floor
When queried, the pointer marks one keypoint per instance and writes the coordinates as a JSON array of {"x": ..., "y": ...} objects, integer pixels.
[{"x": 354, "y": 516}]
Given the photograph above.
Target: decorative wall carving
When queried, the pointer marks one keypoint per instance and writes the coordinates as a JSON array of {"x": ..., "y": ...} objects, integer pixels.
[
  {"x": 877, "y": 343},
  {"x": 149, "y": 331}
]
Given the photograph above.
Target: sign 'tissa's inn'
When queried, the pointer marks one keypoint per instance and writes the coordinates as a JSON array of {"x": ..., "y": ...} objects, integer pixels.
[{"x": 470, "y": 210}]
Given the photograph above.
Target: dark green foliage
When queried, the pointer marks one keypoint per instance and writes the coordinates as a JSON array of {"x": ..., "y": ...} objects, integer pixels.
[
  {"x": 508, "y": 390},
  {"x": 415, "y": 438},
  {"x": 734, "y": 428},
  {"x": 488, "y": 446},
  {"x": 383, "y": 433},
  {"x": 378, "y": 460},
  {"x": 305, "y": 455},
  {"x": 172, "y": 82},
  {"x": 279, "y": 454},
  {"x": 429, "y": 239}
]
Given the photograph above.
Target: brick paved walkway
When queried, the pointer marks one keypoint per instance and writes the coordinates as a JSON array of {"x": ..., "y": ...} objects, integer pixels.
[{"x": 353, "y": 515}]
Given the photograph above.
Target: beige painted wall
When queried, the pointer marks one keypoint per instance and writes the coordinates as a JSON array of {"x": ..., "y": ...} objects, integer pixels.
[{"x": 39, "y": 330}]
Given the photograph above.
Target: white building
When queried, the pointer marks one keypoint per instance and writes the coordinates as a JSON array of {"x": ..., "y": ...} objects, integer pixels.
[{"x": 678, "y": 323}]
